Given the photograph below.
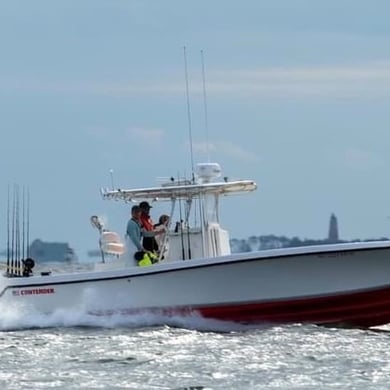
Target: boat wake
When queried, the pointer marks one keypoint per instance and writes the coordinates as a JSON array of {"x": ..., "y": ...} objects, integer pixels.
[{"x": 19, "y": 318}]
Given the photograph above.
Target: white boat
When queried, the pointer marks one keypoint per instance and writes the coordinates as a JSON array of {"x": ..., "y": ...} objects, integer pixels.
[{"x": 338, "y": 284}]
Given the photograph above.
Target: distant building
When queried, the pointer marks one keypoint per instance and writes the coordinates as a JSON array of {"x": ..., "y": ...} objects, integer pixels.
[
  {"x": 333, "y": 235},
  {"x": 51, "y": 251}
]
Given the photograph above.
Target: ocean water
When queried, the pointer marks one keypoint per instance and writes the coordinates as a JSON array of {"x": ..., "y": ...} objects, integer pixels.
[{"x": 69, "y": 351}]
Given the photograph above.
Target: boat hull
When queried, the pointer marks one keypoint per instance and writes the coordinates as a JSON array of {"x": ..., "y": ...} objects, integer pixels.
[{"x": 337, "y": 285}]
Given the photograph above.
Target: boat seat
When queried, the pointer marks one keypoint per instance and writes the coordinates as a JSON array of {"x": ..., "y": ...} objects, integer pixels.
[{"x": 111, "y": 243}]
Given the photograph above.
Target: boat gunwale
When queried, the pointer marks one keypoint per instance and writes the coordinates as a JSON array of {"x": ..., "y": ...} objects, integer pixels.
[{"x": 176, "y": 266}]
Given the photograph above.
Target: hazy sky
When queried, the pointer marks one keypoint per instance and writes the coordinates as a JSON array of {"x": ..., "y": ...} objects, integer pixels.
[{"x": 298, "y": 95}]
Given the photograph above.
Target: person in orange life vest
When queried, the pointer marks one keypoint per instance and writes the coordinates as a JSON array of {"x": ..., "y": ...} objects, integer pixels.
[{"x": 149, "y": 241}]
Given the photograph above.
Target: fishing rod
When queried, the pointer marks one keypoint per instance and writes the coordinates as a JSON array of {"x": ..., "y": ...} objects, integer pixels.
[
  {"x": 179, "y": 225},
  {"x": 28, "y": 223},
  {"x": 188, "y": 208},
  {"x": 27, "y": 263},
  {"x": 8, "y": 232},
  {"x": 13, "y": 233},
  {"x": 17, "y": 241},
  {"x": 24, "y": 222}
]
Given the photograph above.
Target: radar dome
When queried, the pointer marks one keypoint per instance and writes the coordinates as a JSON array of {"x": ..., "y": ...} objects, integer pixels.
[{"x": 206, "y": 172}]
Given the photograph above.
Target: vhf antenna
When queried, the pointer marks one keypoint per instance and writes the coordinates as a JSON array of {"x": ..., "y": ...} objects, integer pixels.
[
  {"x": 189, "y": 113},
  {"x": 112, "y": 179},
  {"x": 206, "y": 121}
]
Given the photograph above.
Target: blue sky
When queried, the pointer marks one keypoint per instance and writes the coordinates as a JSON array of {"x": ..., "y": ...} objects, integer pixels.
[{"x": 298, "y": 97}]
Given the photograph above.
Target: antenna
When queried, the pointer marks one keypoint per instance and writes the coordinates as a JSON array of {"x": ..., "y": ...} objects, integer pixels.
[
  {"x": 112, "y": 179},
  {"x": 189, "y": 113},
  {"x": 206, "y": 122}
]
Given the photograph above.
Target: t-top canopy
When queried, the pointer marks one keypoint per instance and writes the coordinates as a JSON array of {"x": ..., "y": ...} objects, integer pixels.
[{"x": 180, "y": 191}]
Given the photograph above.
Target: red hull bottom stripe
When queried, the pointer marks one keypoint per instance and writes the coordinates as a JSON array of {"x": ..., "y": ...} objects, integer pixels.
[{"x": 361, "y": 309}]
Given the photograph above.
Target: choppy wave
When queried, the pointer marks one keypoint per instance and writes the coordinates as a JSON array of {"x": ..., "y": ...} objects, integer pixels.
[
  {"x": 166, "y": 358},
  {"x": 19, "y": 317}
]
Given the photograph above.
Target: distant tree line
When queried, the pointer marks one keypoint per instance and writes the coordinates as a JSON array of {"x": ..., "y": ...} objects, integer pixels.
[{"x": 255, "y": 243}]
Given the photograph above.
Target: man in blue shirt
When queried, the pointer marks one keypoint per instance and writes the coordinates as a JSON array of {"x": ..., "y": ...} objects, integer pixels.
[{"x": 133, "y": 231}]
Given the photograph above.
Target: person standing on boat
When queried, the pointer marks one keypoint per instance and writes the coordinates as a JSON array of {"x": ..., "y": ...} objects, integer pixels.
[
  {"x": 134, "y": 232},
  {"x": 149, "y": 241},
  {"x": 162, "y": 240}
]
